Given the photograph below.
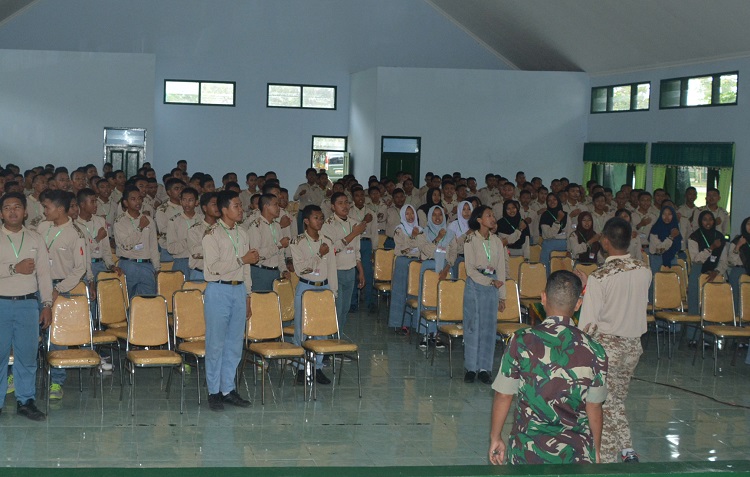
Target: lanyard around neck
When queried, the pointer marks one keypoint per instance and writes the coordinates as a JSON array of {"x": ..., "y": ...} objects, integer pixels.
[
  {"x": 235, "y": 244},
  {"x": 46, "y": 238},
  {"x": 17, "y": 252}
]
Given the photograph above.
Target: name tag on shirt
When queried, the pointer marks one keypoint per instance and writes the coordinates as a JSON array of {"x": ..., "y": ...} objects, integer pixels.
[
  {"x": 489, "y": 271},
  {"x": 138, "y": 247},
  {"x": 713, "y": 259},
  {"x": 349, "y": 249},
  {"x": 591, "y": 256},
  {"x": 440, "y": 249},
  {"x": 316, "y": 272}
]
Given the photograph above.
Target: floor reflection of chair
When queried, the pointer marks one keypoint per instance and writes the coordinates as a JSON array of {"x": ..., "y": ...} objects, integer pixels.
[{"x": 669, "y": 308}]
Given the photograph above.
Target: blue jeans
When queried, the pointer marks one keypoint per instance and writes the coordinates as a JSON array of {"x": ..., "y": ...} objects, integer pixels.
[
  {"x": 347, "y": 280},
  {"x": 19, "y": 327},
  {"x": 389, "y": 243},
  {"x": 140, "y": 277},
  {"x": 165, "y": 256},
  {"x": 181, "y": 264},
  {"x": 480, "y": 325},
  {"x": 365, "y": 251},
  {"x": 196, "y": 275},
  {"x": 263, "y": 279},
  {"x": 301, "y": 288},
  {"x": 548, "y": 246},
  {"x": 226, "y": 314}
]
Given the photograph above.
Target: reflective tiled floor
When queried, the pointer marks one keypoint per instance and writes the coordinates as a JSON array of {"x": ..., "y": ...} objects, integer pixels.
[{"x": 411, "y": 413}]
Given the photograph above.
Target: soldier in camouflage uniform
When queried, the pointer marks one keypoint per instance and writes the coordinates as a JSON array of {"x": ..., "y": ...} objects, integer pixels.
[
  {"x": 615, "y": 307},
  {"x": 559, "y": 375}
]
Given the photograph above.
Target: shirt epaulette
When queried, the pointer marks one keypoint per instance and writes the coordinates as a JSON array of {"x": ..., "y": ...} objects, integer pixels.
[
  {"x": 468, "y": 237},
  {"x": 210, "y": 230},
  {"x": 163, "y": 207},
  {"x": 197, "y": 224},
  {"x": 299, "y": 238},
  {"x": 78, "y": 229},
  {"x": 331, "y": 219},
  {"x": 618, "y": 265}
]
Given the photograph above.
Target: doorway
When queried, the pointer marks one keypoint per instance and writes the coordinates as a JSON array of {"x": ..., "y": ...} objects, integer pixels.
[
  {"x": 125, "y": 149},
  {"x": 400, "y": 153}
]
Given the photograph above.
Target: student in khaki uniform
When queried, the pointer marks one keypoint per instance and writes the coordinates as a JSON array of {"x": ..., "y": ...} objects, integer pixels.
[
  {"x": 68, "y": 257},
  {"x": 197, "y": 231},
  {"x": 308, "y": 193},
  {"x": 367, "y": 242},
  {"x": 251, "y": 179},
  {"x": 226, "y": 258},
  {"x": 24, "y": 273},
  {"x": 344, "y": 234},
  {"x": 265, "y": 236},
  {"x": 94, "y": 229},
  {"x": 34, "y": 210},
  {"x": 177, "y": 231},
  {"x": 137, "y": 246},
  {"x": 315, "y": 263},
  {"x": 165, "y": 212},
  {"x": 393, "y": 217},
  {"x": 377, "y": 207}
]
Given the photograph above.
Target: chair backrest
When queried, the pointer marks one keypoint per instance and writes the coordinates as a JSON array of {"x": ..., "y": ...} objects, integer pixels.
[
  {"x": 512, "y": 312},
  {"x": 532, "y": 279},
  {"x": 703, "y": 280},
  {"x": 429, "y": 288},
  {"x": 166, "y": 266},
  {"x": 559, "y": 253},
  {"x": 123, "y": 280},
  {"x": 80, "y": 289},
  {"x": 381, "y": 240},
  {"x": 148, "y": 325},
  {"x": 645, "y": 259},
  {"x": 667, "y": 292},
  {"x": 265, "y": 321},
  {"x": 586, "y": 268},
  {"x": 111, "y": 301},
  {"x": 682, "y": 274},
  {"x": 168, "y": 282},
  {"x": 319, "y": 313},
  {"x": 450, "y": 300},
  {"x": 189, "y": 319},
  {"x": 294, "y": 279},
  {"x": 462, "y": 271},
  {"x": 744, "y": 278},
  {"x": 718, "y": 303},
  {"x": 744, "y": 301},
  {"x": 560, "y": 263},
  {"x": 513, "y": 264},
  {"x": 285, "y": 291},
  {"x": 200, "y": 286},
  {"x": 383, "y": 268},
  {"x": 535, "y": 253},
  {"x": 412, "y": 287},
  {"x": 71, "y": 322}
]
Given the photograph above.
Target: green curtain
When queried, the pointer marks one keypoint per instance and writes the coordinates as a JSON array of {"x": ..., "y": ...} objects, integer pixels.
[
  {"x": 587, "y": 170},
  {"x": 658, "y": 175},
  {"x": 640, "y": 176},
  {"x": 615, "y": 152},
  {"x": 725, "y": 184},
  {"x": 719, "y": 154}
]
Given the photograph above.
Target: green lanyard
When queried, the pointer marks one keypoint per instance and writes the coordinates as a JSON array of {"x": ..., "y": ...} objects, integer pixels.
[
  {"x": 553, "y": 216},
  {"x": 309, "y": 246},
  {"x": 17, "y": 252},
  {"x": 87, "y": 229},
  {"x": 488, "y": 250},
  {"x": 46, "y": 238},
  {"x": 132, "y": 222},
  {"x": 234, "y": 244},
  {"x": 705, "y": 239},
  {"x": 511, "y": 225},
  {"x": 584, "y": 240},
  {"x": 273, "y": 234}
]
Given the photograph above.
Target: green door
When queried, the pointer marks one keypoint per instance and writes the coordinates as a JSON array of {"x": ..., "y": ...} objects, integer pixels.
[{"x": 400, "y": 153}]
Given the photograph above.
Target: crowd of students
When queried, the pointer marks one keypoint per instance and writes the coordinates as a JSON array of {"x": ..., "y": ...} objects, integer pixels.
[{"x": 240, "y": 239}]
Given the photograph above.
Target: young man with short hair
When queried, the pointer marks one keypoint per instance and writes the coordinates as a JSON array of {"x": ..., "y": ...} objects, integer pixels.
[
  {"x": 721, "y": 216},
  {"x": 359, "y": 213},
  {"x": 94, "y": 229},
  {"x": 165, "y": 212},
  {"x": 264, "y": 235},
  {"x": 195, "y": 235},
  {"x": 177, "y": 231}
]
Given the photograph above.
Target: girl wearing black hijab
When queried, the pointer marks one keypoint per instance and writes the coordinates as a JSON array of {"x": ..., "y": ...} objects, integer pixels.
[
  {"x": 553, "y": 227},
  {"x": 513, "y": 230},
  {"x": 708, "y": 253},
  {"x": 583, "y": 244},
  {"x": 432, "y": 198}
]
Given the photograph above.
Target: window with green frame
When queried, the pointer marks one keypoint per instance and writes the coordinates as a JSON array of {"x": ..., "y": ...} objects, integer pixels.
[
  {"x": 718, "y": 89},
  {"x": 613, "y": 164},
  {"x": 621, "y": 98}
]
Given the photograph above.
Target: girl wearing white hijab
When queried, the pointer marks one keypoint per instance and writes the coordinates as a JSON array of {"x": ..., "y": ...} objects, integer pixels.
[
  {"x": 459, "y": 227},
  {"x": 410, "y": 238},
  {"x": 440, "y": 236}
]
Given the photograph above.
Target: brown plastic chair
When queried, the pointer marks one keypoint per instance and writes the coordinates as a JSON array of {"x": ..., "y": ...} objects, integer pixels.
[
  {"x": 148, "y": 328},
  {"x": 744, "y": 278},
  {"x": 294, "y": 279},
  {"x": 532, "y": 280},
  {"x": 382, "y": 272},
  {"x": 80, "y": 289},
  {"x": 669, "y": 307},
  {"x": 285, "y": 291},
  {"x": 71, "y": 326},
  {"x": 682, "y": 273},
  {"x": 509, "y": 320},
  {"x": 412, "y": 291},
  {"x": 265, "y": 339},
  {"x": 428, "y": 299},
  {"x": 123, "y": 281},
  {"x": 703, "y": 280},
  {"x": 535, "y": 253},
  {"x": 462, "y": 275},
  {"x": 718, "y": 319},
  {"x": 166, "y": 266},
  {"x": 450, "y": 314},
  {"x": 586, "y": 268},
  {"x": 513, "y": 263},
  {"x": 319, "y": 321},
  {"x": 191, "y": 285},
  {"x": 744, "y": 300},
  {"x": 190, "y": 328},
  {"x": 168, "y": 282},
  {"x": 559, "y": 254},
  {"x": 111, "y": 308}
]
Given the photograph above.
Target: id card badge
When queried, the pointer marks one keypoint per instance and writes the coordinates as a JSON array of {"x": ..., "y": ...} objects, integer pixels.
[
  {"x": 591, "y": 256},
  {"x": 50, "y": 263},
  {"x": 713, "y": 259},
  {"x": 489, "y": 271},
  {"x": 138, "y": 247},
  {"x": 440, "y": 249},
  {"x": 349, "y": 250},
  {"x": 316, "y": 272}
]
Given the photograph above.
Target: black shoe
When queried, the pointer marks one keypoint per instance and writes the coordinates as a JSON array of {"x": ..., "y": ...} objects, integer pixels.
[
  {"x": 300, "y": 376},
  {"x": 423, "y": 343},
  {"x": 439, "y": 344},
  {"x": 29, "y": 410},
  {"x": 214, "y": 402},
  {"x": 469, "y": 376},
  {"x": 321, "y": 378},
  {"x": 485, "y": 377},
  {"x": 235, "y": 399},
  {"x": 692, "y": 344},
  {"x": 630, "y": 457}
]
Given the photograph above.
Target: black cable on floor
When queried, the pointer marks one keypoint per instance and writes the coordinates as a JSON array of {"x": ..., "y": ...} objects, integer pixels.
[{"x": 726, "y": 403}]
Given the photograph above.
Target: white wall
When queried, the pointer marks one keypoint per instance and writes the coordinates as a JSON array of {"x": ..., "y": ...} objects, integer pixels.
[
  {"x": 476, "y": 121},
  {"x": 55, "y": 105},
  {"x": 704, "y": 124}
]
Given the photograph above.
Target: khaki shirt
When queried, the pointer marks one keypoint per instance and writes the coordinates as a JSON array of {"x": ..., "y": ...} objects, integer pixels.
[
  {"x": 34, "y": 213},
  {"x": 600, "y": 220},
  {"x": 96, "y": 249},
  {"x": 195, "y": 244},
  {"x": 325, "y": 206},
  {"x": 358, "y": 216},
  {"x": 418, "y": 247},
  {"x": 245, "y": 197},
  {"x": 165, "y": 212},
  {"x": 699, "y": 258},
  {"x": 177, "y": 234},
  {"x": 135, "y": 244},
  {"x": 336, "y": 230},
  {"x": 148, "y": 206},
  {"x": 489, "y": 196},
  {"x": 475, "y": 255},
  {"x": 103, "y": 210},
  {"x": 616, "y": 297},
  {"x": 690, "y": 215},
  {"x": 451, "y": 209},
  {"x": 637, "y": 216},
  {"x": 68, "y": 254},
  {"x": 28, "y": 244},
  {"x": 313, "y": 195},
  {"x": 223, "y": 249},
  {"x": 309, "y": 264},
  {"x": 719, "y": 213},
  {"x": 266, "y": 239},
  {"x": 380, "y": 211},
  {"x": 392, "y": 220}
]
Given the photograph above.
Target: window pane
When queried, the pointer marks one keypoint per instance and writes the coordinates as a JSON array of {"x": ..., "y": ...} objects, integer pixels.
[
  {"x": 284, "y": 96},
  {"x": 599, "y": 100},
  {"x": 329, "y": 143},
  {"x": 728, "y": 89},
  {"x": 643, "y": 96},
  {"x": 699, "y": 91},
  {"x": 318, "y": 97},
  {"x": 181, "y": 92},
  {"x": 670, "y": 94},
  {"x": 621, "y": 98},
  {"x": 397, "y": 144},
  {"x": 217, "y": 93}
]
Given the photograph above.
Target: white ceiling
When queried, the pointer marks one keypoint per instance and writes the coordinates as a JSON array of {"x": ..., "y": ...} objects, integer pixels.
[{"x": 604, "y": 36}]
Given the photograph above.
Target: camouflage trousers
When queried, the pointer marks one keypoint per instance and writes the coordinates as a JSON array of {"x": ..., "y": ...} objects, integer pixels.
[{"x": 622, "y": 355}]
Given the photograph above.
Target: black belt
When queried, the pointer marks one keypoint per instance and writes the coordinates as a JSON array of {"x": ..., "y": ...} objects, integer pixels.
[
  {"x": 230, "y": 282},
  {"x": 30, "y": 296},
  {"x": 315, "y": 284},
  {"x": 263, "y": 267},
  {"x": 55, "y": 281},
  {"x": 136, "y": 260},
  {"x": 97, "y": 260},
  {"x": 198, "y": 269},
  {"x": 366, "y": 238}
]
